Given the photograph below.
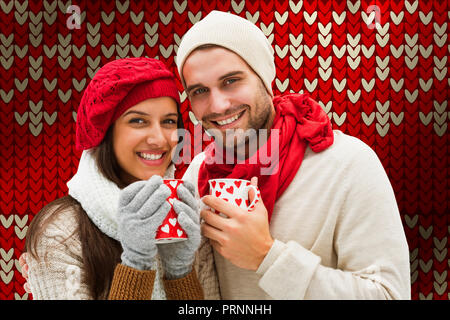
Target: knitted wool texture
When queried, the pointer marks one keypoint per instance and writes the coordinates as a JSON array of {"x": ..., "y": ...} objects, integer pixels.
[
  {"x": 233, "y": 33},
  {"x": 99, "y": 197},
  {"x": 132, "y": 284},
  {"x": 116, "y": 87}
]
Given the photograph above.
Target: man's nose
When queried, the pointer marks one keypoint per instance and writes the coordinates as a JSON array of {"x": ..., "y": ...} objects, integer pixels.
[{"x": 219, "y": 101}]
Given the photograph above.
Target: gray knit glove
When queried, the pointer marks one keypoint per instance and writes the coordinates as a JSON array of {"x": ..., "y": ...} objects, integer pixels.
[
  {"x": 142, "y": 209},
  {"x": 177, "y": 258}
]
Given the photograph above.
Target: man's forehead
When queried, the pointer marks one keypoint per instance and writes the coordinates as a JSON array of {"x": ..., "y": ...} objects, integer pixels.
[
  {"x": 214, "y": 51},
  {"x": 205, "y": 57}
]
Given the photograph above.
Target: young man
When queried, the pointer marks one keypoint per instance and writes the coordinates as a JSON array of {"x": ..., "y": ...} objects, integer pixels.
[{"x": 328, "y": 226}]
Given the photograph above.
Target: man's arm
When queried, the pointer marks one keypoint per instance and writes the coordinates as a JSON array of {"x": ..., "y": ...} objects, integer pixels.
[
  {"x": 369, "y": 241},
  {"x": 370, "y": 244}
]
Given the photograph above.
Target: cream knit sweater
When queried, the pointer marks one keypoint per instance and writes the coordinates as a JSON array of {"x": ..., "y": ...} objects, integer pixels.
[
  {"x": 59, "y": 276},
  {"x": 59, "y": 273},
  {"x": 337, "y": 230}
]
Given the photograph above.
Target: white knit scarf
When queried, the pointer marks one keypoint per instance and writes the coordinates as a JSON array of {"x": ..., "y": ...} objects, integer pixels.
[{"x": 99, "y": 196}]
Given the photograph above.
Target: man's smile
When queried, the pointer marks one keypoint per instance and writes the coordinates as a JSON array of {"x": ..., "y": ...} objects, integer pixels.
[{"x": 229, "y": 121}]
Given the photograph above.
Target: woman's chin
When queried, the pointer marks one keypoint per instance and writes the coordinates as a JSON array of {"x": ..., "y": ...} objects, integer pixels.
[{"x": 147, "y": 174}]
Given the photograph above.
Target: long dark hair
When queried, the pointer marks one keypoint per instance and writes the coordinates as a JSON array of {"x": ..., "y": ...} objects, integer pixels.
[{"x": 100, "y": 253}]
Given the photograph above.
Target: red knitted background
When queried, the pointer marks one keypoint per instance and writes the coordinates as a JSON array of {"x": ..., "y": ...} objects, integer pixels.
[{"x": 380, "y": 72}]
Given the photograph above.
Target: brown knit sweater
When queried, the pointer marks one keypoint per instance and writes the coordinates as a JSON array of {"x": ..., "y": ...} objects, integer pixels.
[
  {"x": 132, "y": 284},
  {"x": 60, "y": 275}
]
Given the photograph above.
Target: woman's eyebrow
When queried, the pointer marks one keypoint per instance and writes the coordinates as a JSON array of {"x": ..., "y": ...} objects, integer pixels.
[
  {"x": 135, "y": 111},
  {"x": 146, "y": 114}
]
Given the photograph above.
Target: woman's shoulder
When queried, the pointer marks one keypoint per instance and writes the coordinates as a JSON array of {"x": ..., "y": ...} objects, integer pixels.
[
  {"x": 55, "y": 224},
  {"x": 54, "y": 252},
  {"x": 60, "y": 215}
]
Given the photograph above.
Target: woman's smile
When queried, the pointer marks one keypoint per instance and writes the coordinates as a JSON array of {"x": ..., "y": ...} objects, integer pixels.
[
  {"x": 142, "y": 138},
  {"x": 152, "y": 158}
]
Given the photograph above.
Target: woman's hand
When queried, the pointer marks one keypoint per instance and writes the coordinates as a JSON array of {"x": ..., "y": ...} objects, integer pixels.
[
  {"x": 24, "y": 270},
  {"x": 142, "y": 209},
  {"x": 177, "y": 258}
]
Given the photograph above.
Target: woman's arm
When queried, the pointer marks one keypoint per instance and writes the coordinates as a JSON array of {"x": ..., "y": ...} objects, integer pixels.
[
  {"x": 132, "y": 284},
  {"x": 142, "y": 208},
  {"x": 56, "y": 273}
]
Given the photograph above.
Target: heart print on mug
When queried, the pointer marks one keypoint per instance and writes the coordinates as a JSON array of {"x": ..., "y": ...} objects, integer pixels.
[
  {"x": 234, "y": 191},
  {"x": 170, "y": 230}
]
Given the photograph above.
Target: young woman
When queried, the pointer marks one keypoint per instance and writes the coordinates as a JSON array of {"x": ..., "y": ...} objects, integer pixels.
[{"x": 98, "y": 242}]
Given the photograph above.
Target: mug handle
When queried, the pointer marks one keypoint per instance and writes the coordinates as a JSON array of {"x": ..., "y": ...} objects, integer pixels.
[{"x": 257, "y": 196}]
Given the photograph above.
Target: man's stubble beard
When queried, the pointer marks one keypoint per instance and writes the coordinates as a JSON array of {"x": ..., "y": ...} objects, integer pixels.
[{"x": 244, "y": 147}]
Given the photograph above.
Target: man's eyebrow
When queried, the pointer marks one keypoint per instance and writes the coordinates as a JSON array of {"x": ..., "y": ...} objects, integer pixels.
[
  {"x": 230, "y": 74},
  {"x": 197, "y": 85},
  {"x": 192, "y": 87}
]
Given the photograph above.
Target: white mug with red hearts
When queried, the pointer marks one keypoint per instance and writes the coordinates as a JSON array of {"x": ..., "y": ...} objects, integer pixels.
[{"x": 234, "y": 191}]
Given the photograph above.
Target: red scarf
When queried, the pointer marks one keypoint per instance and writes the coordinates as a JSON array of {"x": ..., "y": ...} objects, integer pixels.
[{"x": 301, "y": 121}]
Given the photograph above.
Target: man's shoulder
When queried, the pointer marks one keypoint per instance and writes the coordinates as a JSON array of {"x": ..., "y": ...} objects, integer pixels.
[
  {"x": 346, "y": 155},
  {"x": 348, "y": 148}
]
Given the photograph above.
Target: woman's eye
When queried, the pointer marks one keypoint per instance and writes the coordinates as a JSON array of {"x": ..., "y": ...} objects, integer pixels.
[
  {"x": 170, "y": 121},
  {"x": 136, "y": 120}
]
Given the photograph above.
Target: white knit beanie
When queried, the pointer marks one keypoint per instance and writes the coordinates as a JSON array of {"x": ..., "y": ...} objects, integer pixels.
[{"x": 233, "y": 33}]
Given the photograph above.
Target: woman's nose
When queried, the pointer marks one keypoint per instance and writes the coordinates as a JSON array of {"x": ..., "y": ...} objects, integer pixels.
[{"x": 155, "y": 136}]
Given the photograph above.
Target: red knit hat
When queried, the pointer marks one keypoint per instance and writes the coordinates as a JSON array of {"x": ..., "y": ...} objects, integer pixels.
[{"x": 116, "y": 87}]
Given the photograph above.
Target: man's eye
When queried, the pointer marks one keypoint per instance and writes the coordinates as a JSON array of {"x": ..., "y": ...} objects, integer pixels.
[
  {"x": 199, "y": 91},
  {"x": 230, "y": 81}
]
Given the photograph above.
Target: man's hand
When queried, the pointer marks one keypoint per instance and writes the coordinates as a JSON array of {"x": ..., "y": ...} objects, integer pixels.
[{"x": 244, "y": 237}]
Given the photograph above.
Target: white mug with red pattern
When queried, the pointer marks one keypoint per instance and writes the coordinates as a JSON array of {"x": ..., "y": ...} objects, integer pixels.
[
  {"x": 170, "y": 230},
  {"x": 234, "y": 191}
]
